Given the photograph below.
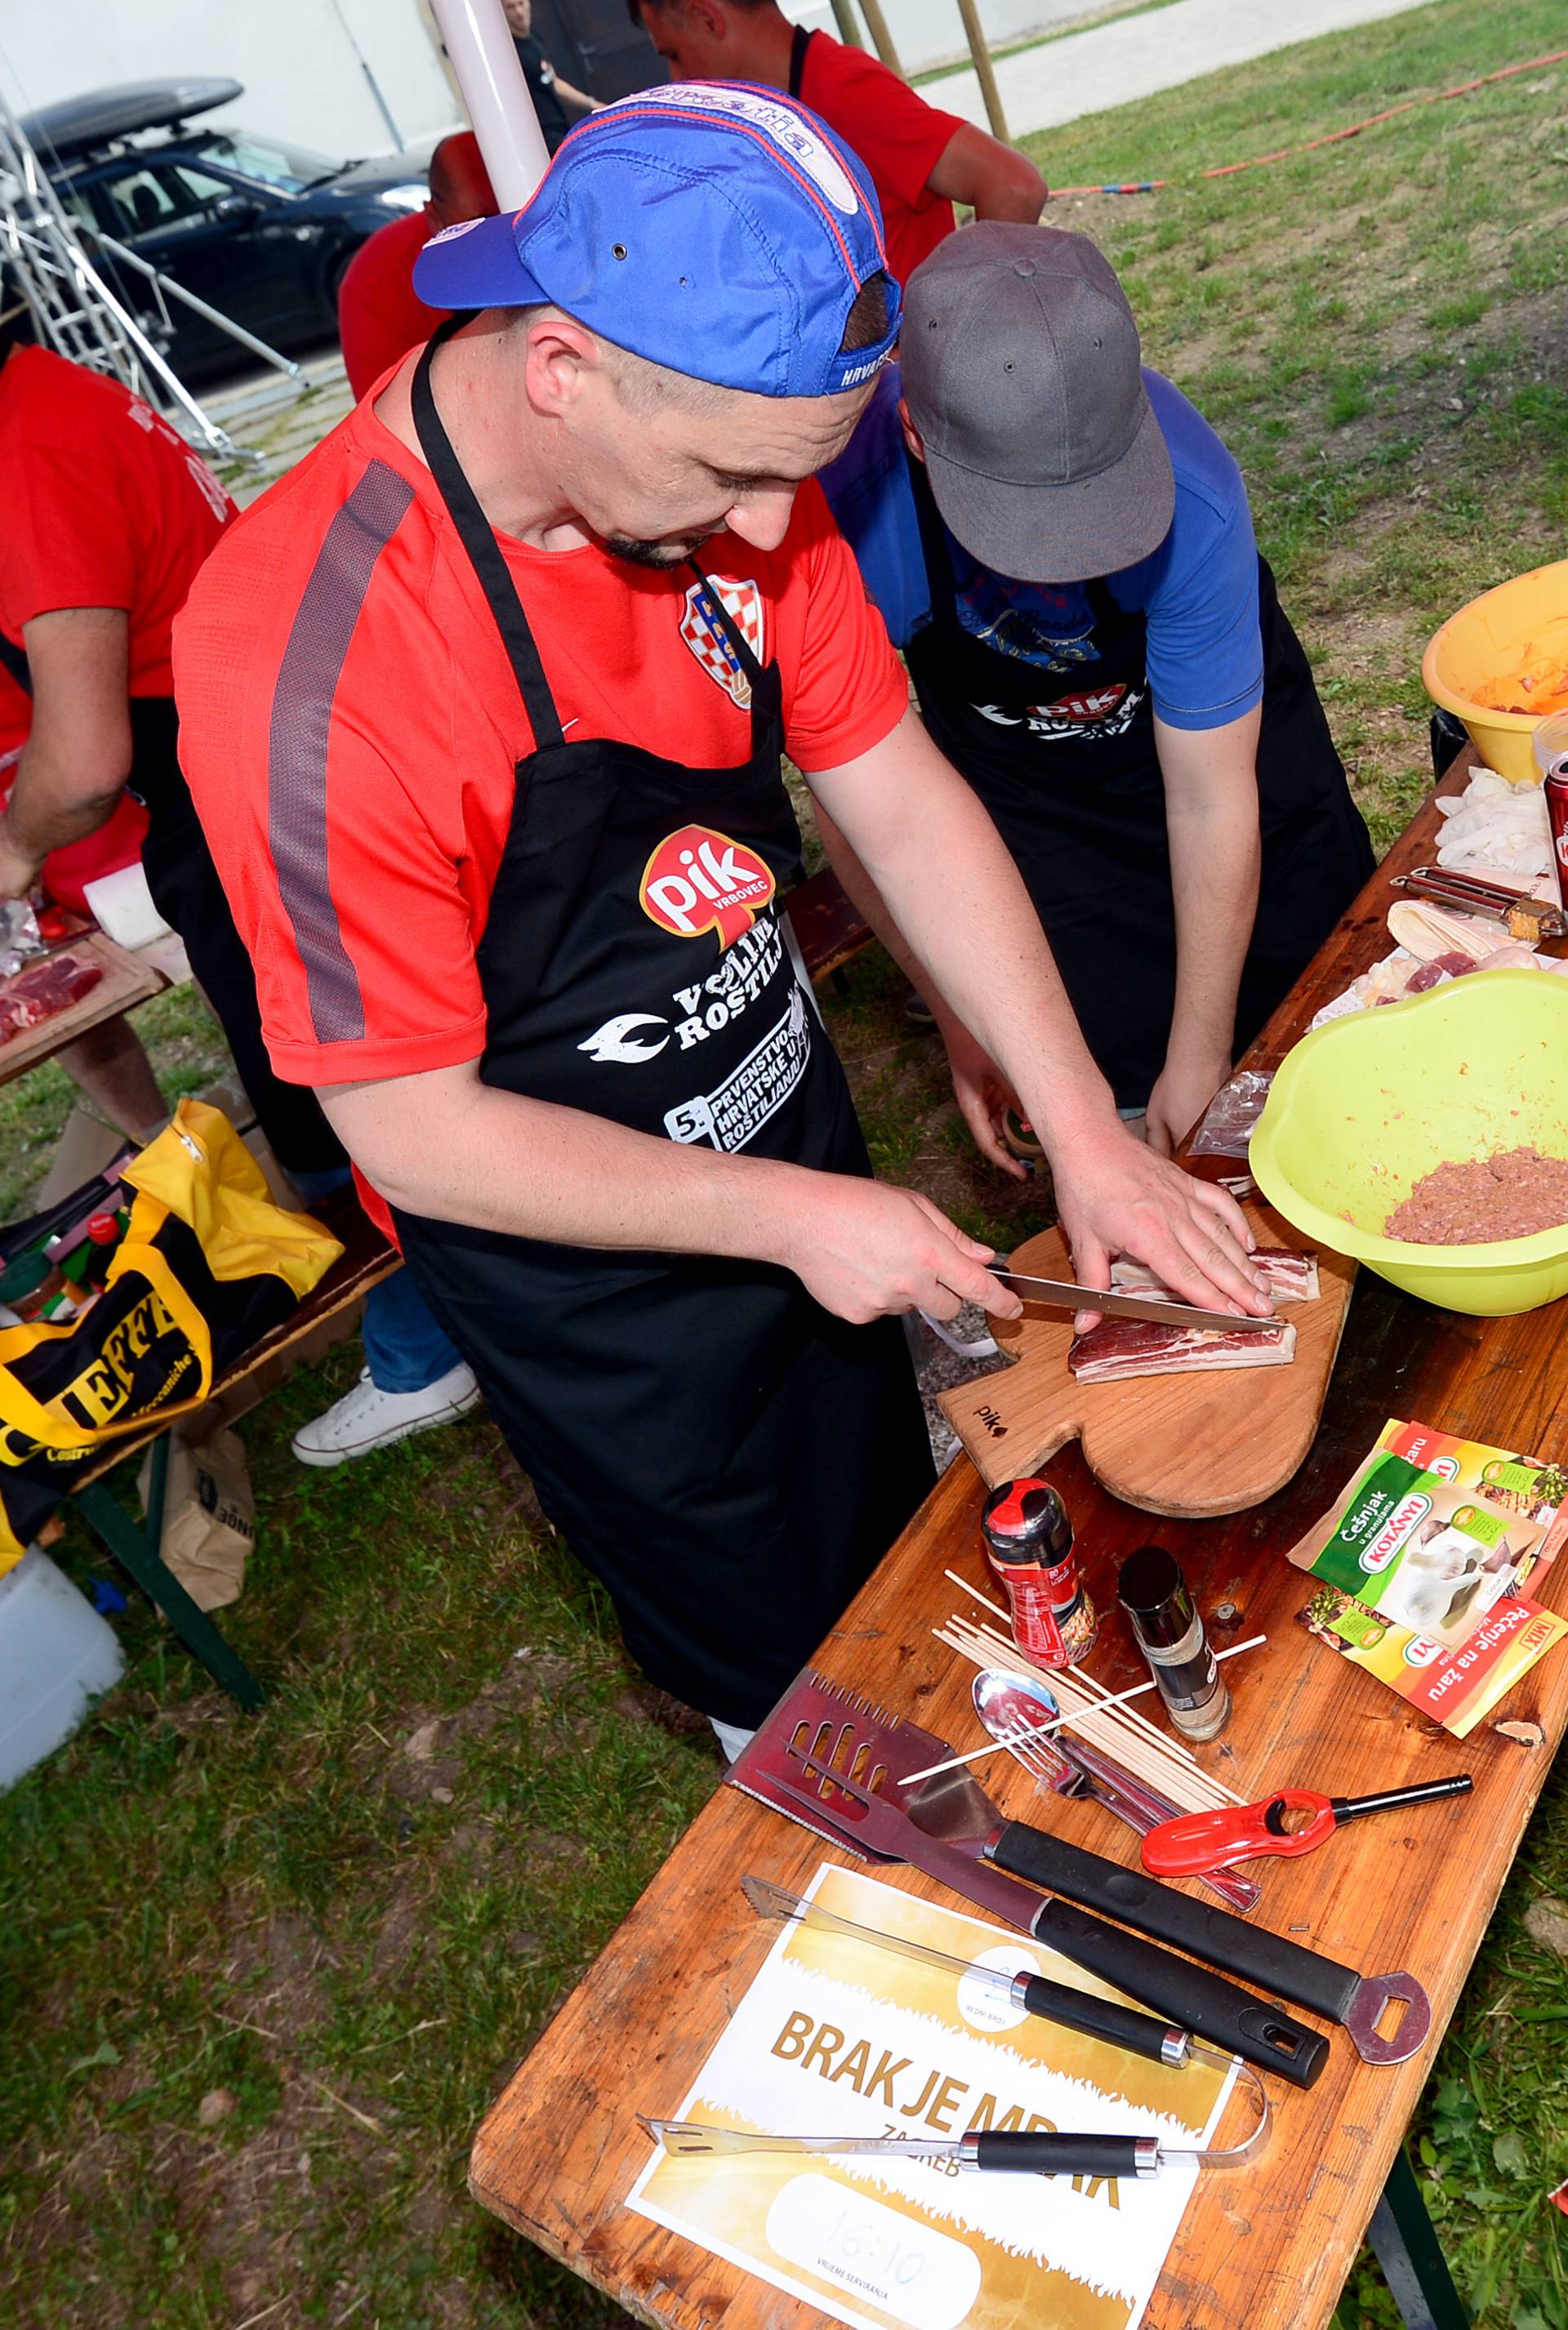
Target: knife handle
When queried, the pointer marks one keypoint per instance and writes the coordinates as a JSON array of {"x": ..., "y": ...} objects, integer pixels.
[
  {"x": 1044, "y": 2154},
  {"x": 1199, "y": 2001},
  {"x": 1270, "y": 1960},
  {"x": 1099, "y": 2018}
]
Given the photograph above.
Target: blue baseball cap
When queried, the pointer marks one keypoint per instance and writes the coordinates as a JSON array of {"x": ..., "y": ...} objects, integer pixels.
[{"x": 715, "y": 227}]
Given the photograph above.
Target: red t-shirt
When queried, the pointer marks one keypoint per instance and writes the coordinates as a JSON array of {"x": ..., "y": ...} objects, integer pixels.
[
  {"x": 379, "y": 316},
  {"x": 897, "y": 135},
  {"x": 101, "y": 504},
  {"x": 350, "y": 726}
]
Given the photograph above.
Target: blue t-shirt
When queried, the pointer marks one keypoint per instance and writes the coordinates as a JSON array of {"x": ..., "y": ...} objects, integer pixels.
[{"x": 1198, "y": 592}]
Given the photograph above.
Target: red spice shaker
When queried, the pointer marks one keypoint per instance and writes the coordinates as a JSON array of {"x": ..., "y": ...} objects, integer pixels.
[{"x": 1029, "y": 1545}]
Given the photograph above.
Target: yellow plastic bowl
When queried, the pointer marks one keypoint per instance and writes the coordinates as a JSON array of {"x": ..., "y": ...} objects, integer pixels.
[
  {"x": 1363, "y": 1107},
  {"x": 1487, "y": 641}
]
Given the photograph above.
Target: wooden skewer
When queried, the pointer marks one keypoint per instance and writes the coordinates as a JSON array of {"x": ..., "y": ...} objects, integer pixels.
[
  {"x": 1043, "y": 1731},
  {"x": 1178, "y": 1769},
  {"x": 1150, "y": 1754},
  {"x": 1088, "y": 1681}
]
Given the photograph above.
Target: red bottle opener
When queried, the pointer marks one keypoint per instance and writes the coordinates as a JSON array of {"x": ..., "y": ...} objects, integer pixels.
[{"x": 1201, "y": 1841}]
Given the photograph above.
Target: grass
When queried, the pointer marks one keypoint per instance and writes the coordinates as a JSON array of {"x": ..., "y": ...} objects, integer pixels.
[{"x": 262, "y": 1977}]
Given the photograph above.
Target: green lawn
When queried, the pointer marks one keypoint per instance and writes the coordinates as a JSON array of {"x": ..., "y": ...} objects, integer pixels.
[{"x": 351, "y": 1944}]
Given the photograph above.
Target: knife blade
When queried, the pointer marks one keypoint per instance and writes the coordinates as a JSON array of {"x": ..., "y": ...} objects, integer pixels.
[{"x": 1060, "y": 1295}]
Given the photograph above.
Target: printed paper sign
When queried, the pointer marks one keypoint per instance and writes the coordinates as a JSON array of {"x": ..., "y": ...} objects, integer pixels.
[{"x": 836, "y": 2038}]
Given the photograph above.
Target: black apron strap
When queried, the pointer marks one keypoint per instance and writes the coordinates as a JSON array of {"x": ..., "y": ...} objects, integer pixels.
[
  {"x": 14, "y": 661},
  {"x": 477, "y": 536},
  {"x": 800, "y": 41}
]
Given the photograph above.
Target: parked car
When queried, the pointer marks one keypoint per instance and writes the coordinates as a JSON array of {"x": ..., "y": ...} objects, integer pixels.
[{"x": 260, "y": 228}]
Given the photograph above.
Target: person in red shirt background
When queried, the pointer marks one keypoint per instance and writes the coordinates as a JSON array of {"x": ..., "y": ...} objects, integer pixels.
[
  {"x": 105, "y": 517},
  {"x": 380, "y": 316},
  {"x": 922, "y": 161}
]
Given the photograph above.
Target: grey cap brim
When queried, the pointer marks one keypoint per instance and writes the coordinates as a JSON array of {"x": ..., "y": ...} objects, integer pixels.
[{"x": 1062, "y": 534}]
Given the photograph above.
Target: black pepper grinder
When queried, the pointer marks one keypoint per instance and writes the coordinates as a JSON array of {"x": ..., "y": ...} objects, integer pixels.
[{"x": 1170, "y": 1634}]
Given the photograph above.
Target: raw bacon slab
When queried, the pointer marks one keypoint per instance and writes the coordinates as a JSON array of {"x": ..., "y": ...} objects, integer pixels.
[
  {"x": 34, "y": 996},
  {"x": 1287, "y": 1276},
  {"x": 1142, "y": 1347}
]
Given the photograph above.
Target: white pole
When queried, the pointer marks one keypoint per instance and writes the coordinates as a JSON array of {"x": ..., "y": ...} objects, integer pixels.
[{"x": 497, "y": 96}]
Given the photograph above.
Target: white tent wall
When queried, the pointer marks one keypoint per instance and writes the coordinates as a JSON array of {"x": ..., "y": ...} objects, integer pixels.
[
  {"x": 928, "y": 33},
  {"x": 299, "y": 62}
]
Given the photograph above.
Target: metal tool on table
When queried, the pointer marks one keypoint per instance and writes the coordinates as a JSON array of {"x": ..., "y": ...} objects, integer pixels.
[
  {"x": 799, "y": 1763},
  {"x": 1062, "y": 1294},
  {"x": 831, "y": 1759},
  {"x": 1195, "y": 1843},
  {"x": 1046, "y": 2153},
  {"x": 1053, "y": 2001},
  {"x": 1012, "y": 1708},
  {"x": 1527, "y": 916}
]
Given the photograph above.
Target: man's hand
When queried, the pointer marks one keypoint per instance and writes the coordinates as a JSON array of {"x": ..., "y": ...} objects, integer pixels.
[
  {"x": 1185, "y": 1089},
  {"x": 983, "y": 1094},
  {"x": 18, "y": 867},
  {"x": 1116, "y": 1197},
  {"x": 868, "y": 1251}
]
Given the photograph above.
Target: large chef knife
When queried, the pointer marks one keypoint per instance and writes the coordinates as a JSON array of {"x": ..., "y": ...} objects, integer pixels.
[{"x": 1060, "y": 1295}]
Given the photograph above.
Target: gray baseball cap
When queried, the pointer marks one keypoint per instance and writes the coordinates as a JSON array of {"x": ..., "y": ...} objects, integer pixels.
[{"x": 1021, "y": 371}]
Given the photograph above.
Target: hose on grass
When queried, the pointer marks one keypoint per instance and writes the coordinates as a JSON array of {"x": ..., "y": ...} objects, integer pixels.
[{"x": 1334, "y": 136}]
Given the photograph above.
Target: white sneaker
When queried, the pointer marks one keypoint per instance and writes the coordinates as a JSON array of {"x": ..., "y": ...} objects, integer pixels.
[{"x": 367, "y": 1417}]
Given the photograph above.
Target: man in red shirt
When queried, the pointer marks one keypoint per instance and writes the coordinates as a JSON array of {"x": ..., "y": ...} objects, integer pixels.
[
  {"x": 922, "y": 161},
  {"x": 380, "y": 315},
  {"x": 483, "y": 706},
  {"x": 106, "y": 515}
]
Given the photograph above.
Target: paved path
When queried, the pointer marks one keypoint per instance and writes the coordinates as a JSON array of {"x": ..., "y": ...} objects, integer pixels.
[{"x": 1133, "y": 56}]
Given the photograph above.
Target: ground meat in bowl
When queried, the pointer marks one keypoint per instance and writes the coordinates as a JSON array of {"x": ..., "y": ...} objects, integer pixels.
[{"x": 1510, "y": 1195}]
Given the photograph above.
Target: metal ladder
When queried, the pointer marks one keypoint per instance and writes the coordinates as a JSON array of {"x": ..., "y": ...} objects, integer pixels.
[{"x": 44, "y": 267}]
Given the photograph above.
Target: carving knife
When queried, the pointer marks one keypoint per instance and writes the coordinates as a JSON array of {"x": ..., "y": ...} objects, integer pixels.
[{"x": 1060, "y": 1295}]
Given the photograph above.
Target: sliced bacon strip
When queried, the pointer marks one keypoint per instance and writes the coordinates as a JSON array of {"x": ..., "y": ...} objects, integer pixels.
[{"x": 1142, "y": 1347}]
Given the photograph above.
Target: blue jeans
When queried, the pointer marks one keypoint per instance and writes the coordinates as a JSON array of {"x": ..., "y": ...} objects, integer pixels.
[{"x": 404, "y": 1347}]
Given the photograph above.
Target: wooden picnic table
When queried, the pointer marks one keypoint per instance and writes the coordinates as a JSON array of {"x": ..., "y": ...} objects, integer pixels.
[{"x": 562, "y": 2148}]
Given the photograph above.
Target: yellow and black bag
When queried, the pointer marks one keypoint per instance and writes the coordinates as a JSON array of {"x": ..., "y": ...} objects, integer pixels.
[{"x": 208, "y": 1265}]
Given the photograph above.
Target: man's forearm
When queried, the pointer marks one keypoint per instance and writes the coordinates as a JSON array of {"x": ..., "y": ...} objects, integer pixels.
[
  {"x": 50, "y": 807},
  {"x": 445, "y": 1146},
  {"x": 941, "y": 876},
  {"x": 500, "y": 1161},
  {"x": 1212, "y": 828}
]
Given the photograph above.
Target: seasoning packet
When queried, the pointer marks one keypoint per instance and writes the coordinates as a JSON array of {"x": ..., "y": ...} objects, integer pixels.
[
  {"x": 1457, "y": 1687},
  {"x": 1423, "y": 1561}
]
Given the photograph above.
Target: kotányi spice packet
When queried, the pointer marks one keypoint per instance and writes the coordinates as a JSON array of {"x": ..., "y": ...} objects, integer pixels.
[{"x": 1423, "y": 1562}]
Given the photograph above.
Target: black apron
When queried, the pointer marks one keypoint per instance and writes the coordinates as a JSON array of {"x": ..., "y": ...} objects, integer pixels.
[
  {"x": 1066, "y": 763},
  {"x": 187, "y": 893},
  {"x": 729, "y": 1459}
]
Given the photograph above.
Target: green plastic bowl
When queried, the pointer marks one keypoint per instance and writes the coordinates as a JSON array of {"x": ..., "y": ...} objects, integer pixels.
[{"x": 1363, "y": 1107}]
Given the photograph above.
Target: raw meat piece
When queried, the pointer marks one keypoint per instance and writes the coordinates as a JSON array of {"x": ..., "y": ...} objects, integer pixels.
[
  {"x": 1513, "y": 1194},
  {"x": 38, "y": 994},
  {"x": 1142, "y": 1347},
  {"x": 1452, "y": 966},
  {"x": 1288, "y": 1277}
]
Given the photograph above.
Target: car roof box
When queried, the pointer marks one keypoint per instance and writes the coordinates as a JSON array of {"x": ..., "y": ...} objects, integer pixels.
[{"x": 77, "y": 124}]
